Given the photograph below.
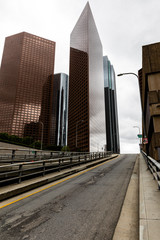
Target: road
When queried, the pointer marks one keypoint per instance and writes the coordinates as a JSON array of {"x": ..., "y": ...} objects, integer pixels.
[{"x": 84, "y": 207}]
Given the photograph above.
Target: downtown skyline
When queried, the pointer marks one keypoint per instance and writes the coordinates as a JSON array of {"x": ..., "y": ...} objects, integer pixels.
[{"x": 122, "y": 34}]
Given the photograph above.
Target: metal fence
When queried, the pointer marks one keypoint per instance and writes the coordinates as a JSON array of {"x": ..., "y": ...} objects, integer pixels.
[
  {"x": 16, "y": 172},
  {"x": 154, "y": 167},
  {"x": 9, "y": 155}
]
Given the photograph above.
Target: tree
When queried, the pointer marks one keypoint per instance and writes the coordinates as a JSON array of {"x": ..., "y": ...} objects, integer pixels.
[{"x": 65, "y": 149}]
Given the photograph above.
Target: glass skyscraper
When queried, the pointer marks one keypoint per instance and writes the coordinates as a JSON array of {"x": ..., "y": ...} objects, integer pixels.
[
  {"x": 54, "y": 112},
  {"x": 111, "y": 112},
  {"x": 62, "y": 109},
  {"x": 27, "y": 62},
  {"x": 86, "y": 115}
]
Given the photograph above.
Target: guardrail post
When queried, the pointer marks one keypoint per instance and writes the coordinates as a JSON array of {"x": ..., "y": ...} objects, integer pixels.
[
  {"x": 99, "y": 155},
  {"x": 79, "y": 159},
  {"x": 43, "y": 168},
  {"x": 13, "y": 155},
  {"x": 85, "y": 158},
  {"x": 71, "y": 161},
  {"x": 20, "y": 173},
  {"x": 35, "y": 154},
  {"x": 59, "y": 165},
  {"x": 51, "y": 154}
]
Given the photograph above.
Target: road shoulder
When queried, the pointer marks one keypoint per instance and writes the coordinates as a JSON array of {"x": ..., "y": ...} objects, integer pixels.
[{"x": 128, "y": 225}]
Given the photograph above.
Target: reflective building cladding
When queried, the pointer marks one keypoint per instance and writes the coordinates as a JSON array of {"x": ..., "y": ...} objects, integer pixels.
[
  {"x": 61, "y": 108},
  {"x": 86, "y": 115},
  {"x": 54, "y": 111},
  {"x": 27, "y": 62},
  {"x": 111, "y": 112}
]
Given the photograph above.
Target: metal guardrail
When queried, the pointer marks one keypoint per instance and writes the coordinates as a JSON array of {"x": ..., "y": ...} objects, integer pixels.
[
  {"x": 17, "y": 172},
  {"x": 10, "y": 155},
  {"x": 154, "y": 167}
]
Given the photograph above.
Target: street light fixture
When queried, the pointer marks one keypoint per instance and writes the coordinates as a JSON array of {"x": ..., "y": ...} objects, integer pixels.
[
  {"x": 42, "y": 134},
  {"x": 139, "y": 132},
  {"x": 121, "y": 74},
  {"x": 76, "y": 129},
  {"x": 131, "y": 73}
]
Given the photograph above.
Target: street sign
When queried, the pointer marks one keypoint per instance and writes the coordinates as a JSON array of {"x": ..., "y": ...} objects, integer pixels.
[
  {"x": 145, "y": 140},
  {"x": 139, "y": 135}
]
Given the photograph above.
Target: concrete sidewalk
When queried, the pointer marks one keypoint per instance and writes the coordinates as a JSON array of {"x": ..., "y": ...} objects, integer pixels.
[
  {"x": 140, "y": 214},
  {"x": 149, "y": 205},
  {"x": 16, "y": 189}
]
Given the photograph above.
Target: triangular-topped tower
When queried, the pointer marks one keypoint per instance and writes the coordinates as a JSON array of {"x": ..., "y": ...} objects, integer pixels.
[{"x": 86, "y": 118}]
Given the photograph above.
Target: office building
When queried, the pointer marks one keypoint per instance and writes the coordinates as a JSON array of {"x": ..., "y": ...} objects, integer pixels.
[
  {"x": 86, "y": 114},
  {"x": 59, "y": 112},
  {"x": 111, "y": 112},
  {"x": 149, "y": 78},
  {"x": 54, "y": 111},
  {"x": 27, "y": 62}
]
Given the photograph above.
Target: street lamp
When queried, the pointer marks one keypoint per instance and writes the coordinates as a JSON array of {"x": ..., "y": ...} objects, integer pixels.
[
  {"x": 139, "y": 132},
  {"x": 131, "y": 73},
  {"x": 76, "y": 129},
  {"x": 121, "y": 74},
  {"x": 42, "y": 133}
]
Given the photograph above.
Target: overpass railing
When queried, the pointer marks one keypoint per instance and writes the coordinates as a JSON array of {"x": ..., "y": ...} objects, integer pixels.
[
  {"x": 10, "y": 155},
  {"x": 16, "y": 172},
  {"x": 154, "y": 167}
]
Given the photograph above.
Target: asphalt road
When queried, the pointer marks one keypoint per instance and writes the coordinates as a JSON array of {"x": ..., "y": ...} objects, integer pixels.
[{"x": 85, "y": 207}]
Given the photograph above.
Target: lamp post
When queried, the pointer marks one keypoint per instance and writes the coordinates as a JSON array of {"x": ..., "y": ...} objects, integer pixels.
[
  {"x": 76, "y": 129},
  {"x": 139, "y": 132},
  {"x": 42, "y": 134},
  {"x": 131, "y": 73},
  {"x": 121, "y": 74}
]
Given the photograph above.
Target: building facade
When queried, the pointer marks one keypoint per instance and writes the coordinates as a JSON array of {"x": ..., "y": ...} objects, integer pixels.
[
  {"x": 149, "y": 78},
  {"x": 27, "y": 62},
  {"x": 61, "y": 80},
  {"x": 86, "y": 115},
  {"x": 111, "y": 112},
  {"x": 54, "y": 112}
]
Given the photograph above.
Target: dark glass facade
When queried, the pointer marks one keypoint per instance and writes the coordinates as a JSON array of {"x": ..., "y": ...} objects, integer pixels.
[
  {"x": 54, "y": 112},
  {"x": 61, "y": 111},
  {"x": 111, "y": 113},
  {"x": 27, "y": 62},
  {"x": 86, "y": 117}
]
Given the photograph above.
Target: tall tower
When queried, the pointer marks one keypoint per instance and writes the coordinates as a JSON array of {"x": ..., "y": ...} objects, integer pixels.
[
  {"x": 111, "y": 112},
  {"x": 27, "y": 62},
  {"x": 86, "y": 114}
]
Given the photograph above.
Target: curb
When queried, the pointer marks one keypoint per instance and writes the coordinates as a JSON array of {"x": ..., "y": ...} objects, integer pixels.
[{"x": 38, "y": 183}]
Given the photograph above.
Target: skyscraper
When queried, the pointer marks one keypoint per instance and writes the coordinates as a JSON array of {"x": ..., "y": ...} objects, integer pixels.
[
  {"x": 112, "y": 129},
  {"x": 62, "y": 109},
  {"x": 27, "y": 62},
  {"x": 86, "y": 114},
  {"x": 54, "y": 112}
]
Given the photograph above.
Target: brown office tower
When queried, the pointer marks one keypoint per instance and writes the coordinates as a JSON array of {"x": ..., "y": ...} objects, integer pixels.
[
  {"x": 149, "y": 78},
  {"x": 27, "y": 62},
  {"x": 86, "y": 112}
]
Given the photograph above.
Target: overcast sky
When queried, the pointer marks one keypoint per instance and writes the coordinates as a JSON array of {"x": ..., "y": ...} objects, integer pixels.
[{"x": 124, "y": 27}]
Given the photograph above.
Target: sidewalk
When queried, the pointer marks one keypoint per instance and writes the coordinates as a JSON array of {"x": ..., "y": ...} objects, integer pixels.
[
  {"x": 140, "y": 214},
  {"x": 149, "y": 212}
]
